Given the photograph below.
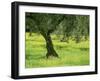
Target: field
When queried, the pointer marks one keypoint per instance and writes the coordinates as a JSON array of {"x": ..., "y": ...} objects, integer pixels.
[{"x": 70, "y": 54}]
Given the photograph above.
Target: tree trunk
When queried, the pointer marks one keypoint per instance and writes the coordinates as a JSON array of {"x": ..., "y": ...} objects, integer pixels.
[
  {"x": 65, "y": 38},
  {"x": 50, "y": 49},
  {"x": 30, "y": 34},
  {"x": 77, "y": 39}
]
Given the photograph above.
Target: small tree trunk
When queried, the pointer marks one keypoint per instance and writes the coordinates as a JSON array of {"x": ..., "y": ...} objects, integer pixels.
[
  {"x": 30, "y": 34},
  {"x": 77, "y": 39},
  {"x": 63, "y": 39},
  {"x": 50, "y": 49},
  {"x": 86, "y": 38}
]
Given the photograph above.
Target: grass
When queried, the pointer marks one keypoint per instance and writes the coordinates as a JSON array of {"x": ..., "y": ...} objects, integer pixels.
[{"x": 71, "y": 54}]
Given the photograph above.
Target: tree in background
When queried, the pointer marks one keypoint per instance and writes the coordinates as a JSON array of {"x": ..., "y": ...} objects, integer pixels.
[
  {"x": 75, "y": 26},
  {"x": 81, "y": 27},
  {"x": 67, "y": 26}
]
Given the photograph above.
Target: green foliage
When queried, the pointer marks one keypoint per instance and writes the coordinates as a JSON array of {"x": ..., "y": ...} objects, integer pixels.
[
  {"x": 81, "y": 27},
  {"x": 71, "y": 54},
  {"x": 44, "y": 23},
  {"x": 76, "y": 26}
]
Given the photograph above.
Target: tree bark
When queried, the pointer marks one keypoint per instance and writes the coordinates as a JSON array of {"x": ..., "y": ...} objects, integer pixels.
[{"x": 50, "y": 49}]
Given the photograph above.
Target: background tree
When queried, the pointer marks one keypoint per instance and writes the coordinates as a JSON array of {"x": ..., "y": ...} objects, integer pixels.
[
  {"x": 75, "y": 26},
  {"x": 67, "y": 27},
  {"x": 81, "y": 27}
]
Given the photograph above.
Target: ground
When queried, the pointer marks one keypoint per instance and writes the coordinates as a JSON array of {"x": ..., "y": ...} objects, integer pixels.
[{"x": 70, "y": 54}]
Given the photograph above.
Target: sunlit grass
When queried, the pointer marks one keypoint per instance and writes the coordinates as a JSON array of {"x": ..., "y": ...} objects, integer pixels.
[{"x": 70, "y": 54}]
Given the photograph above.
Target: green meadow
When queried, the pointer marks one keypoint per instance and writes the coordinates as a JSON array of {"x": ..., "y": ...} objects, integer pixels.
[{"x": 70, "y": 54}]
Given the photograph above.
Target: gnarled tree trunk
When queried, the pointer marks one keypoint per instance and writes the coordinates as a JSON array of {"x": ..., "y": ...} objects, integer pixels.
[{"x": 50, "y": 49}]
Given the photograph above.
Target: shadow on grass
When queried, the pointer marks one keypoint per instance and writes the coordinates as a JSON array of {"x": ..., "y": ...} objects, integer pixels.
[
  {"x": 30, "y": 40},
  {"x": 61, "y": 47},
  {"x": 71, "y": 48},
  {"x": 34, "y": 57},
  {"x": 84, "y": 49}
]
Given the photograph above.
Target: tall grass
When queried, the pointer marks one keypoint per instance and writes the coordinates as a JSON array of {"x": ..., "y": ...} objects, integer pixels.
[{"x": 71, "y": 54}]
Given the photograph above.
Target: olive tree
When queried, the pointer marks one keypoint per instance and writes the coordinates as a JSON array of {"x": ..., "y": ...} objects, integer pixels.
[{"x": 45, "y": 24}]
